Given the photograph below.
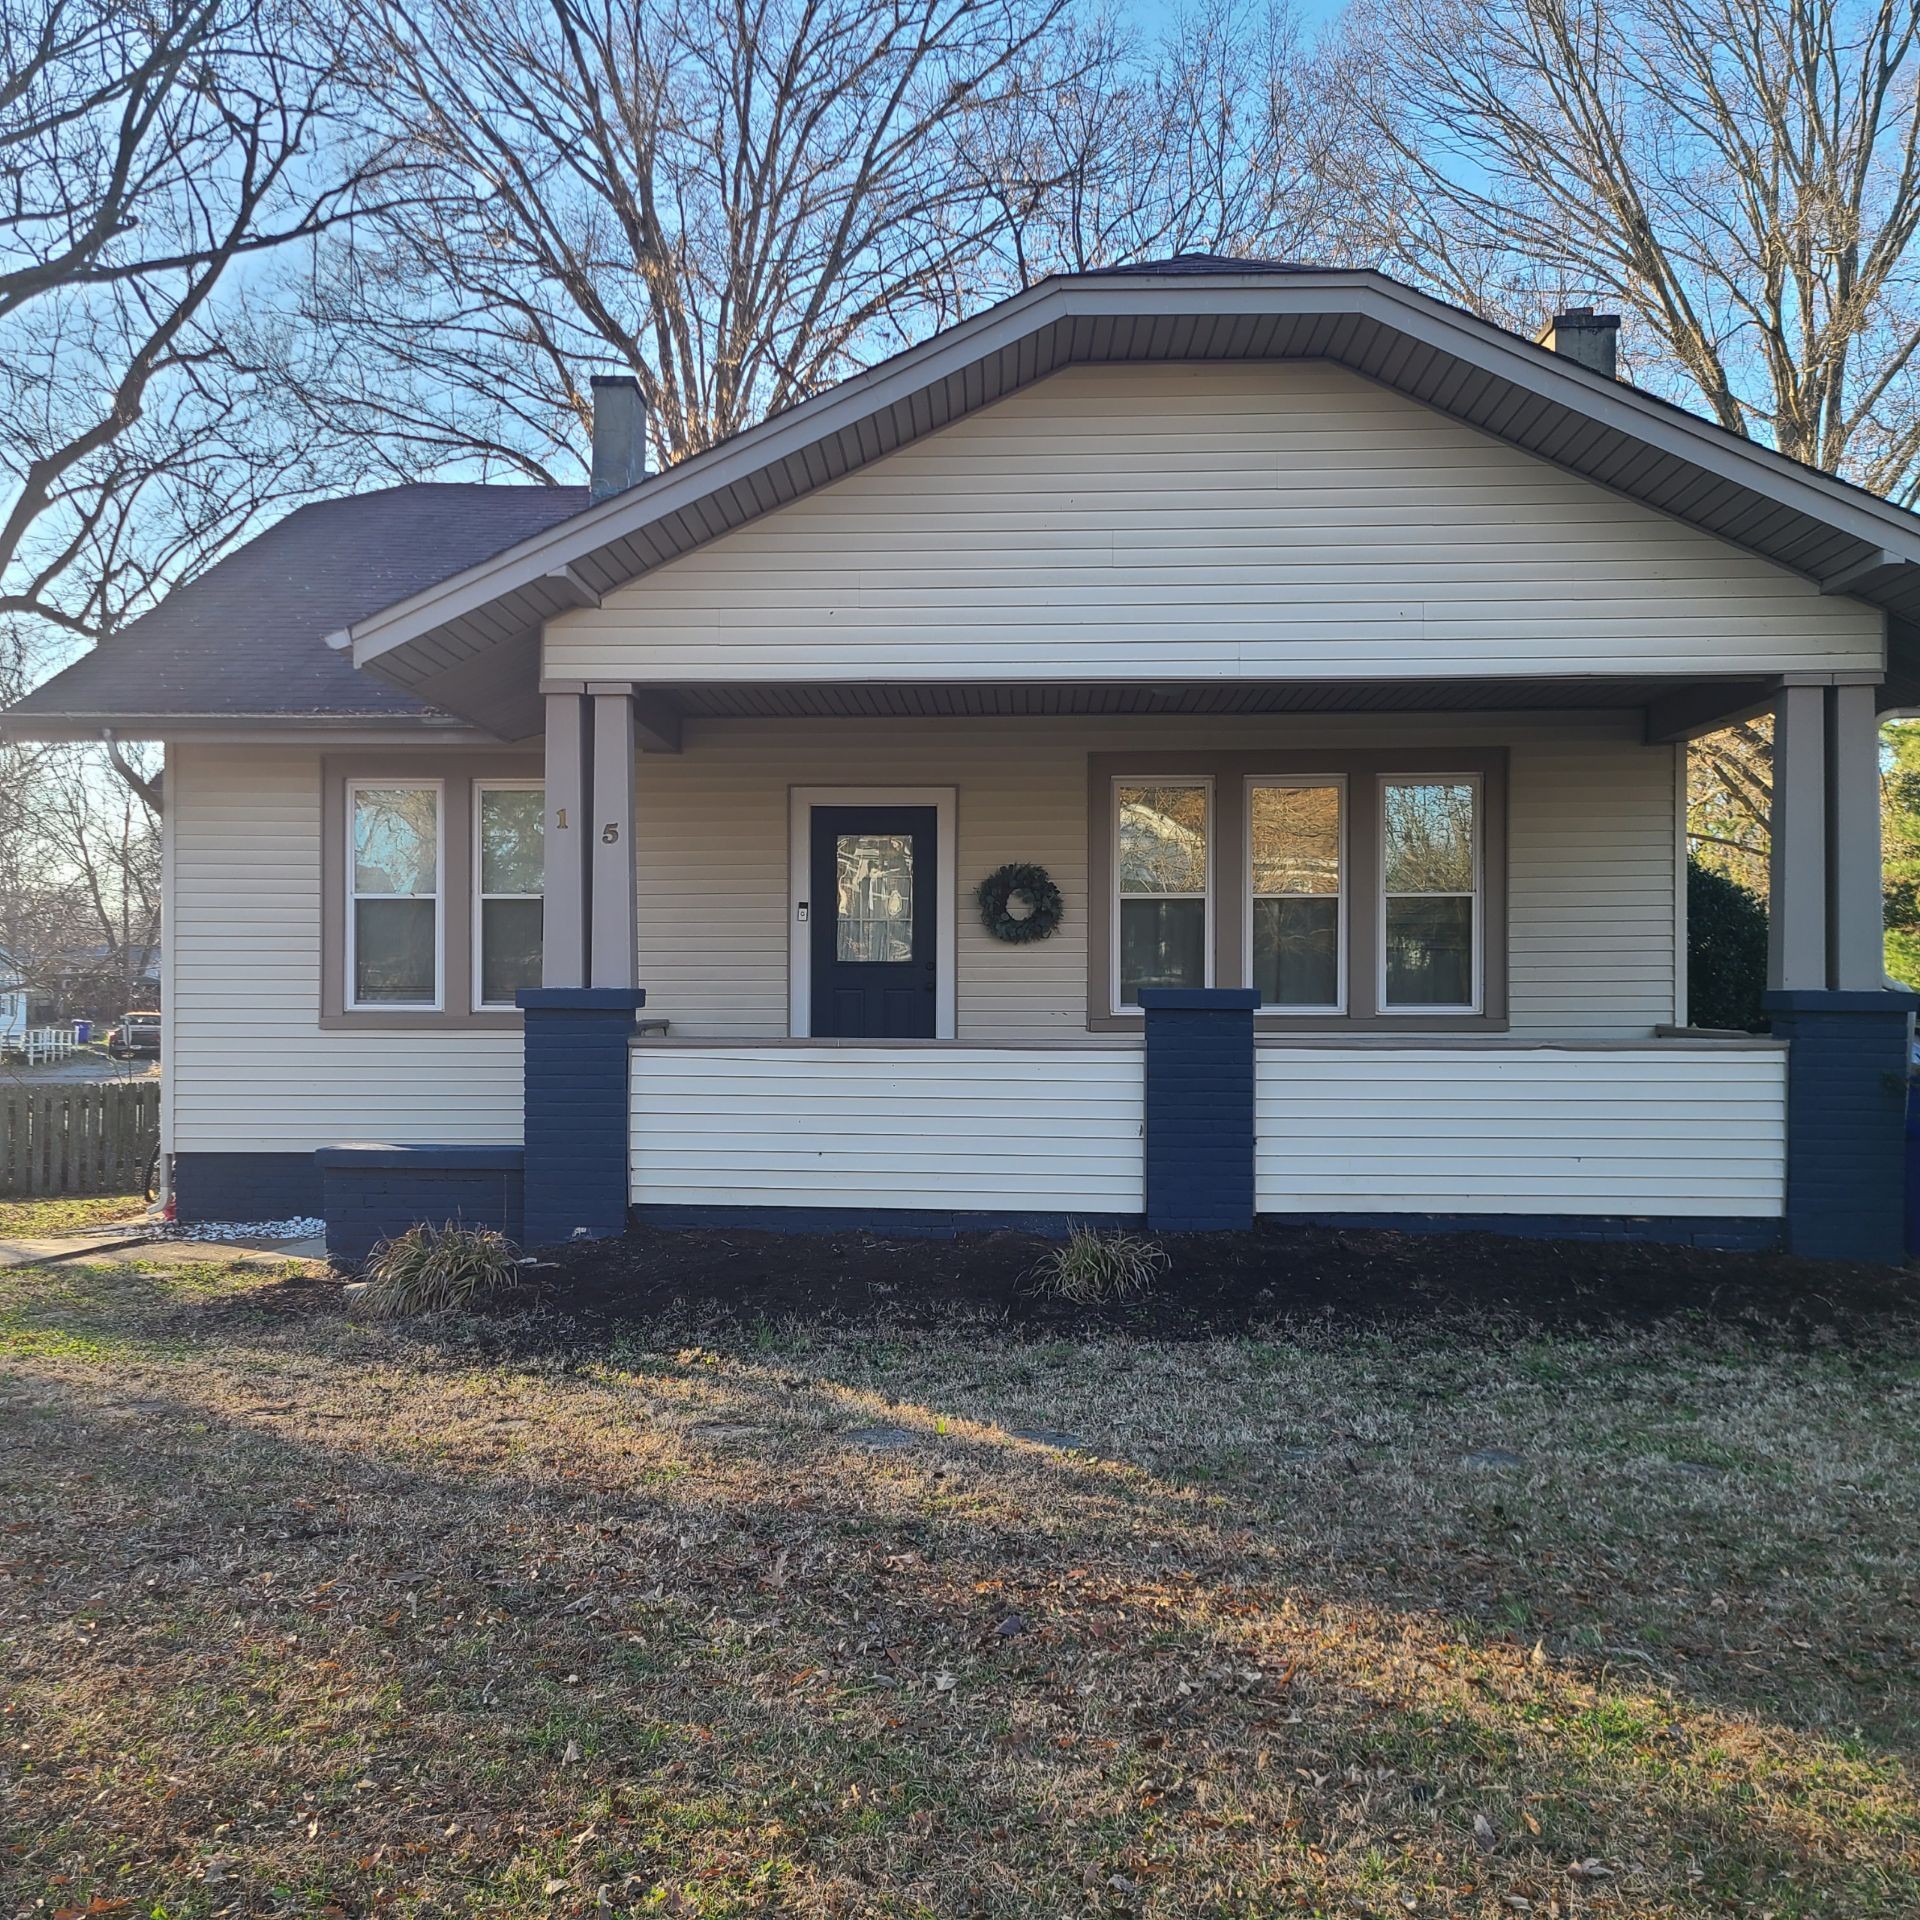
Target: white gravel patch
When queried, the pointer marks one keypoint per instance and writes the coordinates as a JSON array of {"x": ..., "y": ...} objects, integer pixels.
[{"x": 301, "y": 1227}]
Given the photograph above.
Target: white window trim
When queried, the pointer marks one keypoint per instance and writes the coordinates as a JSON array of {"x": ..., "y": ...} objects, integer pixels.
[
  {"x": 354, "y": 788},
  {"x": 1428, "y": 1008},
  {"x": 475, "y": 968},
  {"x": 801, "y": 802},
  {"x": 1342, "y": 914},
  {"x": 1203, "y": 781}
]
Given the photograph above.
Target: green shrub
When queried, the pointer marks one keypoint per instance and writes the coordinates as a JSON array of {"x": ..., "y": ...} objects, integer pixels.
[
  {"x": 1726, "y": 951},
  {"x": 432, "y": 1269},
  {"x": 1091, "y": 1268}
]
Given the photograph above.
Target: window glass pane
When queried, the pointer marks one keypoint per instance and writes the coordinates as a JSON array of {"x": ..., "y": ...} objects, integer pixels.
[
  {"x": 1163, "y": 943},
  {"x": 1163, "y": 839},
  {"x": 394, "y": 834},
  {"x": 1430, "y": 953},
  {"x": 874, "y": 908},
  {"x": 1296, "y": 951},
  {"x": 1429, "y": 834},
  {"x": 1296, "y": 840},
  {"x": 509, "y": 948},
  {"x": 511, "y": 855},
  {"x": 393, "y": 952}
]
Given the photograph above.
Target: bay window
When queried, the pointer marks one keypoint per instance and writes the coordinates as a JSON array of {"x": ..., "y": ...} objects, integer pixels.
[{"x": 1352, "y": 890}]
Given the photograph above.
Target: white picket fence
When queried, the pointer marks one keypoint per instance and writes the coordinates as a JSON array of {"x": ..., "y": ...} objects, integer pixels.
[{"x": 48, "y": 1043}]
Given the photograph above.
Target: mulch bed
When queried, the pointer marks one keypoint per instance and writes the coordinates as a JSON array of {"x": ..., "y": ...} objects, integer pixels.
[{"x": 1217, "y": 1283}]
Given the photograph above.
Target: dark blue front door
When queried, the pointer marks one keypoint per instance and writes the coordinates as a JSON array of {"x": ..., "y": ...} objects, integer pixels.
[{"x": 875, "y": 895}]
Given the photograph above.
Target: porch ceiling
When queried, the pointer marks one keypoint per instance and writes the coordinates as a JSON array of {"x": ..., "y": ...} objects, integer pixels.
[
  {"x": 908, "y": 701},
  {"x": 467, "y": 644}
]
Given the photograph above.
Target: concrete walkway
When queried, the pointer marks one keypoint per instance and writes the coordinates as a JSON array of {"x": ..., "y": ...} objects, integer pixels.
[{"x": 114, "y": 1245}]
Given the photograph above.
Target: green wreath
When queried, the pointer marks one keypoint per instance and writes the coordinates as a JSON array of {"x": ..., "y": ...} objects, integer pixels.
[{"x": 1019, "y": 879}]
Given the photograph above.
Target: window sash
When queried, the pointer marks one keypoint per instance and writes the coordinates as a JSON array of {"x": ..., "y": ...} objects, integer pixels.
[
  {"x": 1285, "y": 1009},
  {"x": 350, "y": 997},
  {"x": 1202, "y": 784},
  {"x": 480, "y": 895},
  {"x": 1417, "y": 1009}
]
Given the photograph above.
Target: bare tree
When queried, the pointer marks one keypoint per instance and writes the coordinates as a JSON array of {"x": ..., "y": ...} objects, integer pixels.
[
  {"x": 1219, "y": 135},
  {"x": 148, "y": 155},
  {"x": 1742, "y": 177}
]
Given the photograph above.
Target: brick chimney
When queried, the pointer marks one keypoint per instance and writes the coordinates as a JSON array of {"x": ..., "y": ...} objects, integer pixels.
[
  {"x": 619, "y": 434},
  {"x": 1591, "y": 338}
]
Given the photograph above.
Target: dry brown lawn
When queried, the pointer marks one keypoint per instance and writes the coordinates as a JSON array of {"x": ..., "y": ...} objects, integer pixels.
[{"x": 303, "y": 1616}]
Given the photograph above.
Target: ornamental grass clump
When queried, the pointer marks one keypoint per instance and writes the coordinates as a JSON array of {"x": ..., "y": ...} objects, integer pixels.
[
  {"x": 1091, "y": 1268},
  {"x": 440, "y": 1269}
]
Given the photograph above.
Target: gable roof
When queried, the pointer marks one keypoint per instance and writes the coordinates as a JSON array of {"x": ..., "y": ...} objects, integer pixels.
[
  {"x": 471, "y": 641},
  {"x": 247, "y": 639}
]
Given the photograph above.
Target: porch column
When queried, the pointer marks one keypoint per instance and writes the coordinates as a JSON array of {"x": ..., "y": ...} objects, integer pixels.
[
  {"x": 1797, "y": 879},
  {"x": 612, "y": 960},
  {"x": 563, "y": 956},
  {"x": 1198, "y": 1143},
  {"x": 1846, "y": 1032}
]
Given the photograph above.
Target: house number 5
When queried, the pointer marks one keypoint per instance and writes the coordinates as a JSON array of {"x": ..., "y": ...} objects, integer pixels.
[{"x": 609, "y": 834}]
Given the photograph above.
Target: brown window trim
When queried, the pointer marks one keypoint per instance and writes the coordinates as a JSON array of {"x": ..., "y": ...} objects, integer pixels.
[
  {"x": 1362, "y": 772},
  {"x": 457, "y": 772}
]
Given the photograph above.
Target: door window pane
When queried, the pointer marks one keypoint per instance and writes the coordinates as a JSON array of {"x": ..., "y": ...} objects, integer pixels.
[
  {"x": 1294, "y": 851},
  {"x": 510, "y": 835},
  {"x": 873, "y": 907},
  {"x": 393, "y": 952},
  {"x": 1430, "y": 866},
  {"x": 1430, "y": 951}
]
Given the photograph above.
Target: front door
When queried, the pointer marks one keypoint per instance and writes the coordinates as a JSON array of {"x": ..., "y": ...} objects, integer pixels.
[{"x": 876, "y": 893}]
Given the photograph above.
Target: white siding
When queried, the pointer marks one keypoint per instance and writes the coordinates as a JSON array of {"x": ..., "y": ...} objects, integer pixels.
[
  {"x": 1671, "y": 1129},
  {"x": 968, "y": 1129},
  {"x": 251, "y": 1070},
  {"x": 1201, "y": 522},
  {"x": 1592, "y": 868}
]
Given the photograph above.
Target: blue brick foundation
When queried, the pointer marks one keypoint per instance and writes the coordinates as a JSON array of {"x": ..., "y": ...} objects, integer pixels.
[
  {"x": 371, "y": 1193},
  {"x": 1846, "y": 1115},
  {"x": 576, "y": 1110},
  {"x": 244, "y": 1186},
  {"x": 1199, "y": 1108}
]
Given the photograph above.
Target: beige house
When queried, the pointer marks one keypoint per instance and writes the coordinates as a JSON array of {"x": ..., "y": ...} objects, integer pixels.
[{"x": 1330, "y": 652}]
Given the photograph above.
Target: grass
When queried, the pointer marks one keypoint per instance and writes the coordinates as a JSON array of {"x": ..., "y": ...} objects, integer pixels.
[
  {"x": 310, "y": 1616},
  {"x": 28, "y": 1219}
]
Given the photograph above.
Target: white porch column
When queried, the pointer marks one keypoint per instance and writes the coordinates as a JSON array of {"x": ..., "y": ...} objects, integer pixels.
[
  {"x": 1797, "y": 922},
  {"x": 563, "y": 961},
  {"x": 1856, "y": 942},
  {"x": 613, "y": 934}
]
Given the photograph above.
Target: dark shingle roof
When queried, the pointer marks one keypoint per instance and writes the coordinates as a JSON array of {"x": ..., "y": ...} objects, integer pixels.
[{"x": 249, "y": 635}]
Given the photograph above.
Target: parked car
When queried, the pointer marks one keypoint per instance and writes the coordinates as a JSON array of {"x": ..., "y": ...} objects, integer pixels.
[{"x": 138, "y": 1033}]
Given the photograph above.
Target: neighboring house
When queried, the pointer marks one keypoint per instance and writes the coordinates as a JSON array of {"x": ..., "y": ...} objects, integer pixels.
[
  {"x": 1333, "y": 652},
  {"x": 92, "y": 982},
  {"x": 13, "y": 1004}
]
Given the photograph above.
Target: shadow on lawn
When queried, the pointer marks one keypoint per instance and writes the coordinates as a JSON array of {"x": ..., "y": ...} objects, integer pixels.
[{"x": 679, "y": 1608}]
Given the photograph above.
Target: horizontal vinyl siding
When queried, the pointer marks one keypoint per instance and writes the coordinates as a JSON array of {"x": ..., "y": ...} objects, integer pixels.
[
  {"x": 1198, "y": 522},
  {"x": 1591, "y": 857},
  {"x": 943, "y": 1129},
  {"x": 1674, "y": 1130},
  {"x": 252, "y": 1072}
]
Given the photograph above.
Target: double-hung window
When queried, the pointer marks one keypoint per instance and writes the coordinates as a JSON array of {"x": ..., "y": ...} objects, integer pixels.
[
  {"x": 1296, "y": 845},
  {"x": 1430, "y": 895},
  {"x": 1163, "y": 865},
  {"x": 508, "y": 882},
  {"x": 394, "y": 908}
]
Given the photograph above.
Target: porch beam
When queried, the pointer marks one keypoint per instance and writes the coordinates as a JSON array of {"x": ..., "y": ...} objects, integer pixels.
[
  {"x": 656, "y": 716},
  {"x": 613, "y": 933},
  {"x": 1797, "y": 922},
  {"x": 1688, "y": 712},
  {"x": 563, "y": 955},
  {"x": 1856, "y": 949}
]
